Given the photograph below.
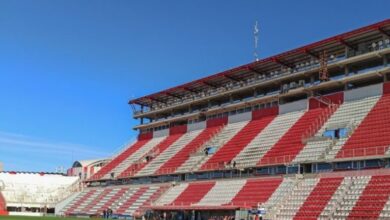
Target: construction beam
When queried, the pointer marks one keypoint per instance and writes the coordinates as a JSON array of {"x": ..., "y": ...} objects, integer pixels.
[
  {"x": 383, "y": 32},
  {"x": 172, "y": 95},
  {"x": 276, "y": 60},
  {"x": 189, "y": 90},
  {"x": 308, "y": 52},
  {"x": 157, "y": 100},
  {"x": 343, "y": 42},
  {"x": 209, "y": 84},
  {"x": 231, "y": 78},
  {"x": 256, "y": 72}
]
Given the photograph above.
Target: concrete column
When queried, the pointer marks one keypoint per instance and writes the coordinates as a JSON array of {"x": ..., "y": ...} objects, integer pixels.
[{"x": 346, "y": 70}]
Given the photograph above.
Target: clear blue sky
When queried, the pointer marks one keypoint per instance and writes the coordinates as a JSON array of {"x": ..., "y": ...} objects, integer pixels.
[{"x": 68, "y": 68}]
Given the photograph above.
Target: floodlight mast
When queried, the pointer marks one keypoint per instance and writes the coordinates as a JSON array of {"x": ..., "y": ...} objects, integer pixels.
[{"x": 256, "y": 38}]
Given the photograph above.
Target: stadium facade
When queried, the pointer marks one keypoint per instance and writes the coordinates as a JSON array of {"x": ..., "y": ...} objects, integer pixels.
[{"x": 301, "y": 135}]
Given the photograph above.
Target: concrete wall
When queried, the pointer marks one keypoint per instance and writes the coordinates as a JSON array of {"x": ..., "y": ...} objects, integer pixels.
[
  {"x": 196, "y": 126},
  {"x": 161, "y": 133},
  {"x": 293, "y": 106},
  {"x": 247, "y": 116},
  {"x": 373, "y": 90}
]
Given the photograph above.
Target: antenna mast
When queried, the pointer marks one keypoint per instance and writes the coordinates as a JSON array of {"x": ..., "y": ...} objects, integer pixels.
[{"x": 256, "y": 38}]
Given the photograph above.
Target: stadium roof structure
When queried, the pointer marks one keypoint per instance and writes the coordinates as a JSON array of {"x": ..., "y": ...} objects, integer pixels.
[
  {"x": 86, "y": 163},
  {"x": 286, "y": 59}
]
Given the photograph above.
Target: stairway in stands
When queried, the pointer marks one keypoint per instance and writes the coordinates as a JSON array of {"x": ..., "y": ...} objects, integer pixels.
[
  {"x": 161, "y": 147},
  {"x": 197, "y": 158},
  {"x": 106, "y": 202},
  {"x": 3, "y": 207},
  {"x": 350, "y": 197},
  {"x": 222, "y": 193},
  {"x": 373, "y": 199},
  {"x": 155, "y": 164},
  {"x": 290, "y": 205},
  {"x": 118, "y": 159},
  {"x": 286, "y": 149},
  {"x": 255, "y": 191},
  {"x": 193, "y": 193},
  {"x": 179, "y": 158},
  {"x": 318, "y": 198},
  {"x": 235, "y": 145},
  {"x": 134, "y": 196},
  {"x": 267, "y": 138},
  {"x": 79, "y": 200},
  {"x": 372, "y": 136},
  {"x": 97, "y": 199}
]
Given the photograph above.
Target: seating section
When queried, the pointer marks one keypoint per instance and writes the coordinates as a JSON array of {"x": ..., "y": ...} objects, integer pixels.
[
  {"x": 286, "y": 149},
  {"x": 372, "y": 136},
  {"x": 227, "y": 152},
  {"x": 342, "y": 195},
  {"x": 373, "y": 199},
  {"x": 132, "y": 169},
  {"x": 180, "y": 157},
  {"x": 164, "y": 156},
  {"x": 222, "y": 193},
  {"x": 318, "y": 198},
  {"x": 36, "y": 189},
  {"x": 350, "y": 197},
  {"x": 348, "y": 115},
  {"x": 256, "y": 149},
  {"x": 193, "y": 194},
  {"x": 134, "y": 158},
  {"x": 105, "y": 171},
  {"x": 268, "y": 139},
  {"x": 123, "y": 200},
  {"x": 225, "y": 194},
  {"x": 256, "y": 191},
  {"x": 171, "y": 194},
  {"x": 295, "y": 200},
  {"x": 198, "y": 158}
]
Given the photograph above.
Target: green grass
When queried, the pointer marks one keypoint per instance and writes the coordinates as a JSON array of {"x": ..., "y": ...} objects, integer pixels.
[{"x": 35, "y": 218}]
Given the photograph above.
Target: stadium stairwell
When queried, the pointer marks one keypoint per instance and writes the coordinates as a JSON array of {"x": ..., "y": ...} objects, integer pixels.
[
  {"x": 131, "y": 200},
  {"x": 111, "y": 200},
  {"x": 175, "y": 134},
  {"x": 96, "y": 200},
  {"x": 255, "y": 191},
  {"x": 318, "y": 198},
  {"x": 79, "y": 201},
  {"x": 142, "y": 140},
  {"x": 372, "y": 136},
  {"x": 192, "y": 194},
  {"x": 147, "y": 203},
  {"x": 287, "y": 148},
  {"x": 260, "y": 119},
  {"x": 373, "y": 199},
  {"x": 3, "y": 208},
  {"x": 213, "y": 127}
]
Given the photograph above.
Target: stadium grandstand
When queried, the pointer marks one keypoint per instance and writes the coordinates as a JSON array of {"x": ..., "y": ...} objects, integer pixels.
[
  {"x": 300, "y": 135},
  {"x": 28, "y": 193}
]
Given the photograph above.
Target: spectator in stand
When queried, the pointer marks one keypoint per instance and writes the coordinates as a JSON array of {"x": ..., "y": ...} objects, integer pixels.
[{"x": 109, "y": 212}]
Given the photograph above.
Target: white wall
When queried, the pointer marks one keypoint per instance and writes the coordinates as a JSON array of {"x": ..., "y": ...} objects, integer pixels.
[
  {"x": 293, "y": 106},
  {"x": 373, "y": 90},
  {"x": 196, "y": 126},
  {"x": 161, "y": 133},
  {"x": 247, "y": 116}
]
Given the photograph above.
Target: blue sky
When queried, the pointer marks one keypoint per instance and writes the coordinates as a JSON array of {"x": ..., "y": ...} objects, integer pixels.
[{"x": 68, "y": 68}]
